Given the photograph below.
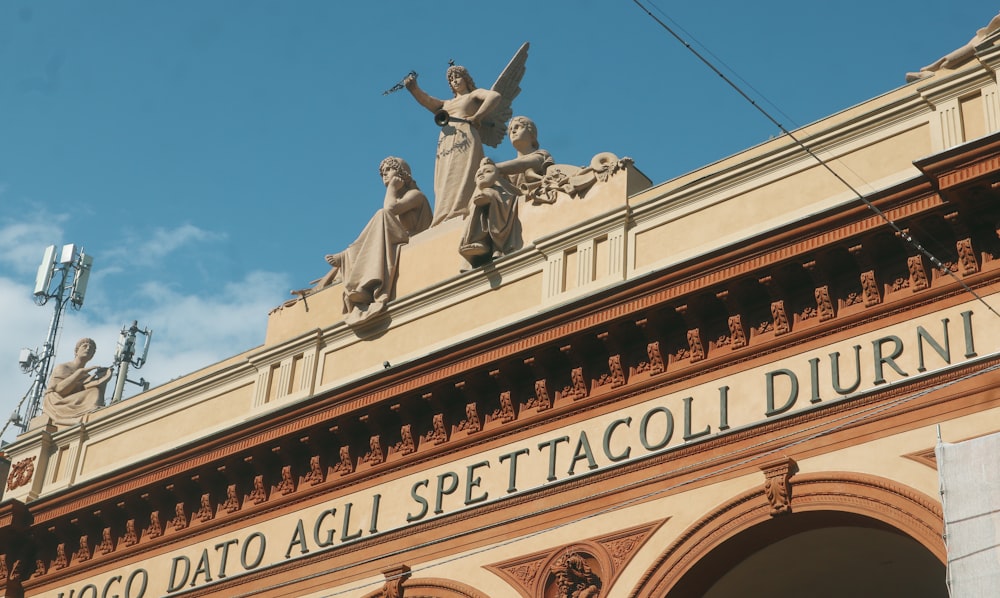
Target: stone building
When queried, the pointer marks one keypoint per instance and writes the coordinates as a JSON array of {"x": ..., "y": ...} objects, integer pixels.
[{"x": 730, "y": 383}]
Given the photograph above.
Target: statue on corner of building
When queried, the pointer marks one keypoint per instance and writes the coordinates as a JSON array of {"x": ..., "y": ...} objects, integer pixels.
[
  {"x": 961, "y": 55},
  {"x": 491, "y": 230},
  {"x": 75, "y": 389},
  {"x": 473, "y": 116},
  {"x": 368, "y": 266}
]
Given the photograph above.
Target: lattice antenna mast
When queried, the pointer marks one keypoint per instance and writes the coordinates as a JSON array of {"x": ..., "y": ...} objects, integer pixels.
[
  {"x": 125, "y": 355},
  {"x": 62, "y": 278}
]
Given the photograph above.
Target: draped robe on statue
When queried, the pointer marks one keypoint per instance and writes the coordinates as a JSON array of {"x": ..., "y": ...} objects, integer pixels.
[
  {"x": 459, "y": 152},
  {"x": 369, "y": 263}
]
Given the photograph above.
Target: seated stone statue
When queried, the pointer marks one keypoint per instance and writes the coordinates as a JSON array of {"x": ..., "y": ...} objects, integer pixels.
[
  {"x": 491, "y": 230},
  {"x": 368, "y": 266},
  {"x": 960, "y": 55},
  {"x": 528, "y": 169},
  {"x": 75, "y": 389}
]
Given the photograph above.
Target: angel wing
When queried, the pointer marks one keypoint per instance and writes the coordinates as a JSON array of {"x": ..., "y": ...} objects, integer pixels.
[{"x": 493, "y": 128}]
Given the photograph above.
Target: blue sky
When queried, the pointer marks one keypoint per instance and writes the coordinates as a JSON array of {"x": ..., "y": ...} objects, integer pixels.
[{"x": 208, "y": 154}]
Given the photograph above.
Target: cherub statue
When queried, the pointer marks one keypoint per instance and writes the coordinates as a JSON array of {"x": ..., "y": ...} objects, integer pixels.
[
  {"x": 75, "y": 389},
  {"x": 492, "y": 228},
  {"x": 473, "y": 116},
  {"x": 368, "y": 266}
]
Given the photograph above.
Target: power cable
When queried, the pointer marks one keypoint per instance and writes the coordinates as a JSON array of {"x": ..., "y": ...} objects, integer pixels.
[{"x": 902, "y": 234}]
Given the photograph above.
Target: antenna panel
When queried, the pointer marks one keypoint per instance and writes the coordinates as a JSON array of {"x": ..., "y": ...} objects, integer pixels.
[
  {"x": 44, "y": 276},
  {"x": 82, "y": 278},
  {"x": 66, "y": 257}
]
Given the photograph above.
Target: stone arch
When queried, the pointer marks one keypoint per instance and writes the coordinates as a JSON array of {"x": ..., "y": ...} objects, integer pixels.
[{"x": 832, "y": 495}]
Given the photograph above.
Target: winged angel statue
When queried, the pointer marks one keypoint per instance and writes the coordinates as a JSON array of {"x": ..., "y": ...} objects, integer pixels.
[{"x": 472, "y": 117}]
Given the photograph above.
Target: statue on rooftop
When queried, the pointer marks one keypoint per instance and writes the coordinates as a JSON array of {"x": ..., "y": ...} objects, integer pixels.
[
  {"x": 368, "y": 266},
  {"x": 75, "y": 389},
  {"x": 491, "y": 230},
  {"x": 960, "y": 55},
  {"x": 473, "y": 116},
  {"x": 492, "y": 227},
  {"x": 528, "y": 169}
]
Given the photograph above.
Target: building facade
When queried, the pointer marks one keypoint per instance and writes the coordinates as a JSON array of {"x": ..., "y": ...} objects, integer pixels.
[{"x": 730, "y": 383}]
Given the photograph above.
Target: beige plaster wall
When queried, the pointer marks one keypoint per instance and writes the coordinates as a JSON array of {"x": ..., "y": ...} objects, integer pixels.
[
  {"x": 167, "y": 429},
  {"x": 431, "y": 329},
  {"x": 773, "y": 202}
]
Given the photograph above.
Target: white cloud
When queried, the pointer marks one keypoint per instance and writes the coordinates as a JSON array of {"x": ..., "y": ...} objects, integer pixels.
[
  {"x": 151, "y": 249},
  {"x": 192, "y": 329},
  {"x": 22, "y": 243},
  {"x": 189, "y": 331}
]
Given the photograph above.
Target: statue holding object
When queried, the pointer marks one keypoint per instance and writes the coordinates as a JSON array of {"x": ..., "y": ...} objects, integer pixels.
[
  {"x": 473, "y": 116},
  {"x": 491, "y": 230},
  {"x": 74, "y": 389}
]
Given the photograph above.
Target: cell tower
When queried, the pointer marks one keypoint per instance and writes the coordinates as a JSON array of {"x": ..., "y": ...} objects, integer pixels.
[
  {"x": 62, "y": 278},
  {"x": 125, "y": 355}
]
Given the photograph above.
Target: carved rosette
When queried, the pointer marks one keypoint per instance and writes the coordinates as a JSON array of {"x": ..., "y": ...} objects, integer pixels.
[
  {"x": 21, "y": 473},
  {"x": 778, "y": 485}
]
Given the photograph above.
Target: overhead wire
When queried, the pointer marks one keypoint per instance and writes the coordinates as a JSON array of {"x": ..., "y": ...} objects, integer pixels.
[{"x": 903, "y": 234}]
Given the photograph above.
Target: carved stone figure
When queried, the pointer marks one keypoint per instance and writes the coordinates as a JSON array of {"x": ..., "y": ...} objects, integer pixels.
[
  {"x": 960, "y": 55},
  {"x": 368, "y": 266},
  {"x": 75, "y": 389},
  {"x": 575, "y": 579},
  {"x": 528, "y": 169},
  {"x": 473, "y": 116},
  {"x": 492, "y": 228}
]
